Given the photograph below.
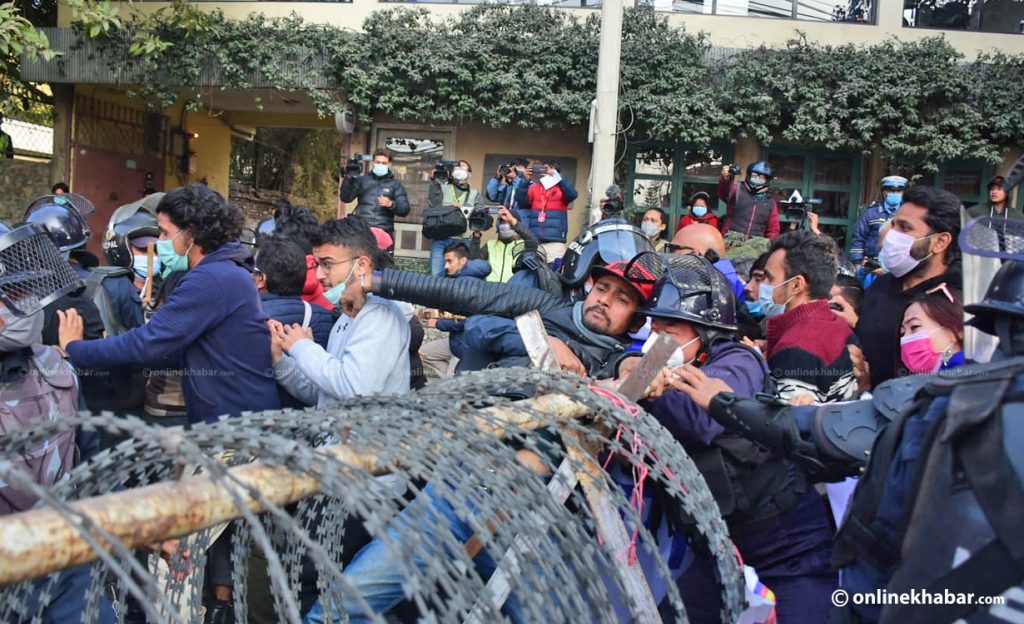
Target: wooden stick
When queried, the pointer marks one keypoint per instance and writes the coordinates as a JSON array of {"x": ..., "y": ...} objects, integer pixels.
[
  {"x": 40, "y": 541},
  {"x": 148, "y": 288}
]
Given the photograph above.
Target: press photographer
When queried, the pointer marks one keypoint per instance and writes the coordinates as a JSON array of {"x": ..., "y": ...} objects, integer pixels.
[
  {"x": 380, "y": 196},
  {"x": 501, "y": 189},
  {"x": 452, "y": 206}
]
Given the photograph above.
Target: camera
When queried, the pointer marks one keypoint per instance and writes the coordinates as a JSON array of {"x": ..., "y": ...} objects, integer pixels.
[
  {"x": 871, "y": 264},
  {"x": 480, "y": 220},
  {"x": 540, "y": 170},
  {"x": 734, "y": 170},
  {"x": 504, "y": 170},
  {"x": 443, "y": 170},
  {"x": 796, "y": 207},
  {"x": 612, "y": 205},
  {"x": 354, "y": 165}
]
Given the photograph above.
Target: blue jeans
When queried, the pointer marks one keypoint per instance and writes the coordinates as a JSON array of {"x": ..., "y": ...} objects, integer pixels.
[
  {"x": 374, "y": 576},
  {"x": 437, "y": 255},
  {"x": 66, "y": 598}
]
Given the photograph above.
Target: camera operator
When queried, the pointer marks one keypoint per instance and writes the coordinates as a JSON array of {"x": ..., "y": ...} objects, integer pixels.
[
  {"x": 544, "y": 207},
  {"x": 381, "y": 197},
  {"x": 450, "y": 187},
  {"x": 501, "y": 188},
  {"x": 750, "y": 211}
]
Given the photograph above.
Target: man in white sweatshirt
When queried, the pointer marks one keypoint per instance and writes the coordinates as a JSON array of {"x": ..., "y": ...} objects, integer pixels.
[{"x": 368, "y": 349}]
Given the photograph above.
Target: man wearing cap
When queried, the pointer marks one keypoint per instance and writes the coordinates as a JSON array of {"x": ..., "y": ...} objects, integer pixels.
[
  {"x": 865, "y": 247},
  {"x": 589, "y": 337},
  {"x": 998, "y": 204}
]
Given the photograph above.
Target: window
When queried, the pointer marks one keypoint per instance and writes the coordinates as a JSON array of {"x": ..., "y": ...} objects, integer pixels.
[
  {"x": 967, "y": 179},
  {"x": 666, "y": 176},
  {"x": 832, "y": 177},
  {"x": 856, "y": 11},
  {"x": 414, "y": 153},
  {"x": 572, "y": 4},
  {"x": 993, "y": 16}
]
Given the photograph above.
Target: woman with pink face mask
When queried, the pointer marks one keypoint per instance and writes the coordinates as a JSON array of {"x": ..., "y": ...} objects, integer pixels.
[{"x": 932, "y": 332}]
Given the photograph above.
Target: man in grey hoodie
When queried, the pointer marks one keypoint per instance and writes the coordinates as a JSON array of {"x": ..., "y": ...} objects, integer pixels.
[{"x": 368, "y": 350}]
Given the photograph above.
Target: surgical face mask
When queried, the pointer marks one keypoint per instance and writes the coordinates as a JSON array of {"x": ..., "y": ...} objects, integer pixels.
[
  {"x": 699, "y": 211},
  {"x": 766, "y": 297},
  {"x": 677, "y": 358},
  {"x": 20, "y": 332},
  {"x": 758, "y": 180},
  {"x": 893, "y": 200},
  {"x": 897, "y": 254},
  {"x": 380, "y": 170},
  {"x": 754, "y": 307},
  {"x": 140, "y": 264},
  {"x": 918, "y": 354},
  {"x": 652, "y": 230},
  {"x": 460, "y": 175},
  {"x": 171, "y": 260},
  {"x": 334, "y": 295},
  {"x": 505, "y": 232}
]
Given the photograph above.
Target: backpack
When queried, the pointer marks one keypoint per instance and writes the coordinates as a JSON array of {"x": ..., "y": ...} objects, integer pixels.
[
  {"x": 48, "y": 391},
  {"x": 93, "y": 291}
]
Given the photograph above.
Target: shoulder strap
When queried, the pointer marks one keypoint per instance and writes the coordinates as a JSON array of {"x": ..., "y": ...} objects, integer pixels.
[{"x": 307, "y": 315}]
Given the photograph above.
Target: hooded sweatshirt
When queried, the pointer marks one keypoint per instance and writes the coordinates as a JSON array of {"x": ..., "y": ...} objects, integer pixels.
[{"x": 215, "y": 328}]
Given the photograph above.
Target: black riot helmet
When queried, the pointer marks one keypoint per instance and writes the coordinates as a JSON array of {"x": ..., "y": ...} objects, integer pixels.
[
  {"x": 691, "y": 289},
  {"x": 32, "y": 271},
  {"x": 131, "y": 224},
  {"x": 611, "y": 240},
  {"x": 1005, "y": 297},
  {"x": 64, "y": 222}
]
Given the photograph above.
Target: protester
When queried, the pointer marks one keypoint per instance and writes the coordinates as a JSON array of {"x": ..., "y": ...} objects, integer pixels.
[
  {"x": 214, "y": 309},
  {"x": 806, "y": 342},
  {"x": 920, "y": 252},
  {"x": 443, "y": 355},
  {"x": 300, "y": 226},
  {"x": 932, "y": 332},
  {"x": 368, "y": 351},
  {"x": 700, "y": 212}
]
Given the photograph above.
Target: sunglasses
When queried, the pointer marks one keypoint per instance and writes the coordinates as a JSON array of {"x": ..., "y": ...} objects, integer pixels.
[{"x": 941, "y": 287}]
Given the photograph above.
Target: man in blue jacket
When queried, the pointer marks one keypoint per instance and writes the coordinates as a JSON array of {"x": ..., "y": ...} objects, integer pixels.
[
  {"x": 212, "y": 325},
  {"x": 443, "y": 355},
  {"x": 279, "y": 275}
]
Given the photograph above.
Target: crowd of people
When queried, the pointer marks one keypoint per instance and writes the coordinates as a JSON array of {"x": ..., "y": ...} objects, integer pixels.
[{"x": 307, "y": 313}]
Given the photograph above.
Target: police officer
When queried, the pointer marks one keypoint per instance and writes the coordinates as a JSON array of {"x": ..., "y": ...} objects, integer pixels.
[
  {"x": 119, "y": 304},
  {"x": 37, "y": 386},
  {"x": 776, "y": 518},
  {"x": 864, "y": 248},
  {"x": 938, "y": 507},
  {"x": 131, "y": 229}
]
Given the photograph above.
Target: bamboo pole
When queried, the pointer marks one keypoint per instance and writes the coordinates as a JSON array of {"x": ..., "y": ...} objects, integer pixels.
[{"x": 40, "y": 541}]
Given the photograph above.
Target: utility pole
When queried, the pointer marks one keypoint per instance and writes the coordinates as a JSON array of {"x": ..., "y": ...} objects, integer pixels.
[{"x": 605, "y": 124}]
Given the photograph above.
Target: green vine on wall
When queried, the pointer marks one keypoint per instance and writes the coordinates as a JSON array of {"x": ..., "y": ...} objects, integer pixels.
[{"x": 916, "y": 103}]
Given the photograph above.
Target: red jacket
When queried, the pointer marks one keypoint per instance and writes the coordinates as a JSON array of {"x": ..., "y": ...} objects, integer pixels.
[
  {"x": 708, "y": 219},
  {"x": 312, "y": 290},
  {"x": 551, "y": 199}
]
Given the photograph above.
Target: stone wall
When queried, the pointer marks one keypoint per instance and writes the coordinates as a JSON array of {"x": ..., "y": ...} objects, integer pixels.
[{"x": 21, "y": 181}]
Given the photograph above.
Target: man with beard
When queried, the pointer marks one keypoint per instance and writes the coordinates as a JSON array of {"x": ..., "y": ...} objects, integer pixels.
[{"x": 920, "y": 252}]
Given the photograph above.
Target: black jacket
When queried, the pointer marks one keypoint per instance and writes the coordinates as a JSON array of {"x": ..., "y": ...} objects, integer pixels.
[
  {"x": 491, "y": 306},
  {"x": 366, "y": 189}
]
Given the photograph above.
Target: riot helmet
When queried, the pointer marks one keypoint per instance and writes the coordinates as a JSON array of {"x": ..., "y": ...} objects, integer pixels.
[
  {"x": 691, "y": 289},
  {"x": 1005, "y": 297},
  {"x": 133, "y": 224},
  {"x": 760, "y": 168},
  {"x": 66, "y": 225},
  {"x": 32, "y": 271},
  {"x": 266, "y": 227},
  {"x": 612, "y": 240}
]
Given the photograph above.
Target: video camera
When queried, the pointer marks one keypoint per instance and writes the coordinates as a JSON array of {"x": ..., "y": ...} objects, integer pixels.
[
  {"x": 443, "y": 170},
  {"x": 354, "y": 165},
  {"x": 612, "y": 206},
  {"x": 734, "y": 170},
  {"x": 480, "y": 220},
  {"x": 796, "y": 207}
]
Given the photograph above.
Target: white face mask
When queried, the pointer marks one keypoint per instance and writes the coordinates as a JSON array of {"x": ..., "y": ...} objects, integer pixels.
[
  {"x": 677, "y": 358},
  {"x": 20, "y": 332},
  {"x": 460, "y": 175},
  {"x": 896, "y": 253},
  {"x": 140, "y": 264},
  {"x": 380, "y": 170},
  {"x": 652, "y": 230}
]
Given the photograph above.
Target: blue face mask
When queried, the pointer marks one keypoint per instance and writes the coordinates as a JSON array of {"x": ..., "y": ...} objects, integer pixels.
[
  {"x": 893, "y": 200},
  {"x": 140, "y": 265},
  {"x": 765, "y": 297},
  {"x": 754, "y": 307},
  {"x": 699, "y": 211},
  {"x": 334, "y": 295},
  {"x": 381, "y": 170},
  {"x": 169, "y": 258}
]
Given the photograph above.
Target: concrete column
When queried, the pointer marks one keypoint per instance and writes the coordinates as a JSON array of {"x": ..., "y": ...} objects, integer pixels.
[
  {"x": 607, "y": 114},
  {"x": 63, "y": 104}
]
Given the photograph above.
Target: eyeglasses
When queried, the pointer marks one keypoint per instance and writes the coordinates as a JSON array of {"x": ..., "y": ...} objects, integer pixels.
[
  {"x": 327, "y": 264},
  {"x": 941, "y": 287},
  {"x": 673, "y": 248}
]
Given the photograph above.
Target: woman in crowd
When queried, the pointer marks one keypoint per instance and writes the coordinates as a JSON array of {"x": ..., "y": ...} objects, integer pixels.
[{"x": 932, "y": 333}]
